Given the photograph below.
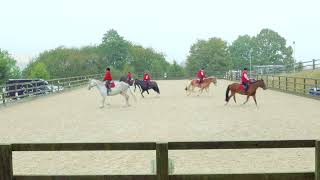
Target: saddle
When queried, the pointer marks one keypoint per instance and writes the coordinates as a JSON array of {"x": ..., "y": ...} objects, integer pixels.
[
  {"x": 242, "y": 87},
  {"x": 111, "y": 85},
  {"x": 198, "y": 81}
]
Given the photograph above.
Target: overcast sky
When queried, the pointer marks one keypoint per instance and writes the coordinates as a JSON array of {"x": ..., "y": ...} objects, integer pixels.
[{"x": 169, "y": 26}]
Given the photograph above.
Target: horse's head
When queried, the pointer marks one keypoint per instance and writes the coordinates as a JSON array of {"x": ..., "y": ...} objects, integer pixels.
[
  {"x": 211, "y": 80},
  {"x": 214, "y": 81},
  {"x": 92, "y": 83},
  {"x": 262, "y": 84}
]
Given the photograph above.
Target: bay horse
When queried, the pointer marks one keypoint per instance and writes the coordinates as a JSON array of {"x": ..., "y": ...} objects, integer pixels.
[
  {"x": 119, "y": 88},
  {"x": 203, "y": 86},
  {"x": 142, "y": 85},
  {"x": 240, "y": 89}
]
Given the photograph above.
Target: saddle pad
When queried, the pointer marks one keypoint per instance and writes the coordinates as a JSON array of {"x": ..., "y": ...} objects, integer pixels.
[
  {"x": 242, "y": 87},
  {"x": 111, "y": 85}
]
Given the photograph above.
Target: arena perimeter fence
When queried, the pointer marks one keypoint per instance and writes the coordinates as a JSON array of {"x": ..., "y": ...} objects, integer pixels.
[{"x": 11, "y": 92}]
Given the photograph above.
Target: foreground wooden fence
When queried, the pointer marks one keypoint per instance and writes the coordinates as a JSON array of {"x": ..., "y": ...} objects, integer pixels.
[{"x": 162, "y": 160}]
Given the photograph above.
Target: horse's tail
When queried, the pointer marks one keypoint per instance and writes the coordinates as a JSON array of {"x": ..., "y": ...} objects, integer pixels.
[
  {"x": 227, "y": 93},
  {"x": 157, "y": 88},
  {"x": 188, "y": 85},
  {"x": 132, "y": 94}
]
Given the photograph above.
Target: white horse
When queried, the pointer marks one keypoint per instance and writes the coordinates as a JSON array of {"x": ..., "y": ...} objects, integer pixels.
[{"x": 120, "y": 88}]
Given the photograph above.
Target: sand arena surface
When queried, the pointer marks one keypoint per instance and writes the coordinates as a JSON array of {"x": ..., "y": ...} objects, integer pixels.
[{"x": 75, "y": 116}]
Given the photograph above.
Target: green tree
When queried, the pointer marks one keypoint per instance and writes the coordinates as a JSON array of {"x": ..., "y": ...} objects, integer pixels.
[
  {"x": 213, "y": 55},
  {"x": 299, "y": 66},
  {"x": 114, "y": 50},
  {"x": 176, "y": 70},
  {"x": 39, "y": 71},
  {"x": 8, "y": 67},
  {"x": 270, "y": 48},
  {"x": 241, "y": 50},
  {"x": 147, "y": 59}
]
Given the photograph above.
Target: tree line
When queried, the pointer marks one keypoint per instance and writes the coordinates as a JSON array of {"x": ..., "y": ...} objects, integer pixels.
[{"x": 213, "y": 54}]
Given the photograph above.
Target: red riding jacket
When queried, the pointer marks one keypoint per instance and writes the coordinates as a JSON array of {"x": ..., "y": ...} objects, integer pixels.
[
  {"x": 107, "y": 76},
  {"x": 146, "y": 77},
  {"x": 129, "y": 76},
  {"x": 201, "y": 74},
  {"x": 244, "y": 77}
]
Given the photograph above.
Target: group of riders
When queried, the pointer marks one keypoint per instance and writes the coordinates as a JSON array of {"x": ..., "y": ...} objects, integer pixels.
[
  {"x": 108, "y": 79},
  {"x": 201, "y": 75},
  {"x": 245, "y": 81}
]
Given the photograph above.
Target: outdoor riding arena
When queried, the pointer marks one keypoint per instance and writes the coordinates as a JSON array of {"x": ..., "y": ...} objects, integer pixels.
[{"x": 75, "y": 116}]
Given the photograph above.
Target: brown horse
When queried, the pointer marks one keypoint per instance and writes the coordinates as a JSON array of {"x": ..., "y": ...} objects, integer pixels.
[
  {"x": 203, "y": 86},
  {"x": 238, "y": 88}
]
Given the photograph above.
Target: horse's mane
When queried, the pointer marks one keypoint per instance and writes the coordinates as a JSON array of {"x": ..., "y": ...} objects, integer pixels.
[
  {"x": 257, "y": 81},
  {"x": 211, "y": 77}
]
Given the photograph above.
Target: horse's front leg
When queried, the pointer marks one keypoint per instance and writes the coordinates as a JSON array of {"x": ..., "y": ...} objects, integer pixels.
[
  {"x": 254, "y": 98},
  {"x": 247, "y": 99},
  {"x": 207, "y": 89}
]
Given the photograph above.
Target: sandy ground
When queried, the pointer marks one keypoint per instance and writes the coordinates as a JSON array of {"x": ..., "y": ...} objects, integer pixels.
[{"x": 75, "y": 116}]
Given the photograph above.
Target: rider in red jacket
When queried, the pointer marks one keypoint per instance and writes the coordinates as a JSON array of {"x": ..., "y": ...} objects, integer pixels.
[
  {"x": 107, "y": 79},
  {"x": 201, "y": 75},
  {"x": 146, "y": 78},
  {"x": 245, "y": 79},
  {"x": 129, "y": 76}
]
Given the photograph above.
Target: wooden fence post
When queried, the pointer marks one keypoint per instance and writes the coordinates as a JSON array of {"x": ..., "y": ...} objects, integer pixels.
[
  {"x": 317, "y": 161},
  {"x": 162, "y": 161},
  {"x": 286, "y": 83},
  {"x": 272, "y": 81},
  {"x": 15, "y": 91},
  {"x": 267, "y": 80},
  {"x": 3, "y": 96},
  {"x": 6, "y": 172},
  {"x": 304, "y": 85},
  {"x": 313, "y": 64},
  {"x": 279, "y": 82},
  {"x": 294, "y": 84}
]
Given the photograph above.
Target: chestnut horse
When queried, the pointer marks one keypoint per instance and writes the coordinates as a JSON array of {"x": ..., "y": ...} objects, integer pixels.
[
  {"x": 204, "y": 85},
  {"x": 239, "y": 88}
]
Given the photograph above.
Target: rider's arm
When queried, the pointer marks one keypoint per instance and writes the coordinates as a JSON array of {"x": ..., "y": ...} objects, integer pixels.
[{"x": 246, "y": 77}]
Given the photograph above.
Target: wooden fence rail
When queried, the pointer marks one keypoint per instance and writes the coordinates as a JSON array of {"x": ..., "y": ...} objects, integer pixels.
[{"x": 162, "y": 159}]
